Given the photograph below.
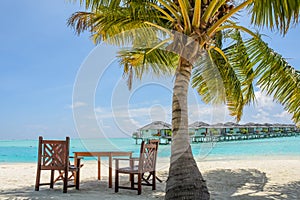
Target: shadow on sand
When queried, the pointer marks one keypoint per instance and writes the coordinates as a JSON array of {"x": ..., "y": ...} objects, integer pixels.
[
  {"x": 91, "y": 189},
  {"x": 249, "y": 184},
  {"x": 223, "y": 184}
]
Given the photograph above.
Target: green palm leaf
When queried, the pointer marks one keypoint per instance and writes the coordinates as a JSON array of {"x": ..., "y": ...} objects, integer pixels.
[
  {"x": 276, "y": 76},
  {"x": 279, "y": 14},
  {"x": 141, "y": 61}
]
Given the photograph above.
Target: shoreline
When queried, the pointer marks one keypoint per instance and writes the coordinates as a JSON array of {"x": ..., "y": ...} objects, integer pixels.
[{"x": 256, "y": 177}]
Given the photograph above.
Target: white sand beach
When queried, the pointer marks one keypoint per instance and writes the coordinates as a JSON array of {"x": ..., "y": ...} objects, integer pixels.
[{"x": 247, "y": 178}]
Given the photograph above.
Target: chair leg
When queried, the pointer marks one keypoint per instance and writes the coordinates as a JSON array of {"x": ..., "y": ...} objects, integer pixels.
[
  {"x": 65, "y": 179},
  {"x": 37, "y": 181},
  {"x": 77, "y": 175},
  {"x": 132, "y": 180},
  {"x": 139, "y": 183},
  {"x": 52, "y": 179},
  {"x": 153, "y": 180},
  {"x": 77, "y": 179},
  {"x": 117, "y": 181}
]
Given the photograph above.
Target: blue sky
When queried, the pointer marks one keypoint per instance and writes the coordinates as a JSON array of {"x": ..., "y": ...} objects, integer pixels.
[{"x": 40, "y": 58}]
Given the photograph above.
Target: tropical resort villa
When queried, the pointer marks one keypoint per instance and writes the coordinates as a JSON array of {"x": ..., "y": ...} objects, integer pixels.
[
  {"x": 203, "y": 132},
  {"x": 155, "y": 130}
]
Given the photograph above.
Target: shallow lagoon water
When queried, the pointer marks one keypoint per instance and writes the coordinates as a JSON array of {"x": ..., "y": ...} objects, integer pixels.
[{"x": 26, "y": 150}]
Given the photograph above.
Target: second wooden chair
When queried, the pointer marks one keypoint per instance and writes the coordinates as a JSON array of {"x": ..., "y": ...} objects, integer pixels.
[{"x": 146, "y": 163}]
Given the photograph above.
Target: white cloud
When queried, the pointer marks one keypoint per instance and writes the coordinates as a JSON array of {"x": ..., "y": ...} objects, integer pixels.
[
  {"x": 209, "y": 113},
  {"x": 77, "y": 104},
  {"x": 156, "y": 112},
  {"x": 128, "y": 120},
  {"x": 264, "y": 101},
  {"x": 159, "y": 113},
  {"x": 265, "y": 110},
  {"x": 262, "y": 116},
  {"x": 283, "y": 114}
]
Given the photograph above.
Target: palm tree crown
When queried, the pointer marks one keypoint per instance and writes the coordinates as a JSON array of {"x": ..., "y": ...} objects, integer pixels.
[{"x": 208, "y": 22}]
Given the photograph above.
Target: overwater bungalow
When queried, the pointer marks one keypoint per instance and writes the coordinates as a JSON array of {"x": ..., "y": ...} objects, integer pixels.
[
  {"x": 155, "y": 130},
  {"x": 203, "y": 132},
  {"x": 251, "y": 127},
  {"x": 198, "y": 130},
  {"x": 232, "y": 128},
  {"x": 233, "y": 131}
]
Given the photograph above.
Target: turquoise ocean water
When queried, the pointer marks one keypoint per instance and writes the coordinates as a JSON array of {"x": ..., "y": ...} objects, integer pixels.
[{"x": 12, "y": 151}]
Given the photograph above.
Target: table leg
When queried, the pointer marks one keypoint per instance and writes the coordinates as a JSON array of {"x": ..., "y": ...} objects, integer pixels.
[
  {"x": 99, "y": 168},
  {"x": 75, "y": 164},
  {"x": 110, "y": 172}
]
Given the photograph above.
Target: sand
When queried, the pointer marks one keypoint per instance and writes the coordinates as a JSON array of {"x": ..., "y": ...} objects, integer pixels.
[{"x": 252, "y": 178}]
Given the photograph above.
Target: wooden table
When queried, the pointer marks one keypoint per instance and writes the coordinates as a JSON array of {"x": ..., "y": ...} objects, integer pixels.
[{"x": 100, "y": 154}]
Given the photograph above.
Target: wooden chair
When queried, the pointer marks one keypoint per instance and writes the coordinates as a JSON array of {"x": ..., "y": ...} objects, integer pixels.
[
  {"x": 53, "y": 155},
  {"x": 146, "y": 163},
  {"x": 150, "y": 174}
]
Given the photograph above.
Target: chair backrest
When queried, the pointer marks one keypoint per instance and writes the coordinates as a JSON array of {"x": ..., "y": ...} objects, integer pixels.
[
  {"x": 154, "y": 141},
  {"x": 53, "y": 154},
  {"x": 148, "y": 155}
]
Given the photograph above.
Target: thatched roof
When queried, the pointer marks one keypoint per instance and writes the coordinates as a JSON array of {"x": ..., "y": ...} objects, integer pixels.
[
  {"x": 198, "y": 125},
  {"x": 231, "y": 124},
  {"x": 217, "y": 125},
  {"x": 156, "y": 125},
  {"x": 250, "y": 125},
  {"x": 160, "y": 125}
]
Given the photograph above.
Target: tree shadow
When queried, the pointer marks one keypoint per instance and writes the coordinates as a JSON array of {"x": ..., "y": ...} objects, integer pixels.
[
  {"x": 250, "y": 184},
  {"x": 223, "y": 184},
  {"x": 89, "y": 189},
  {"x": 290, "y": 190}
]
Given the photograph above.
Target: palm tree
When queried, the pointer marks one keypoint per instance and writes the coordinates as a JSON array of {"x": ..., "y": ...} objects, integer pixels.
[{"x": 190, "y": 34}]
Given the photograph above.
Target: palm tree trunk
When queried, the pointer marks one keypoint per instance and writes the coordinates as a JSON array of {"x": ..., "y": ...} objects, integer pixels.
[{"x": 185, "y": 180}]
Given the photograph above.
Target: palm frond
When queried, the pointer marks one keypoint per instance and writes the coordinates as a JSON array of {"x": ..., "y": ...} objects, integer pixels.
[
  {"x": 184, "y": 8},
  {"x": 197, "y": 14},
  {"x": 232, "y": 84},
  {"x": 275, "y": 14},
  {"x": 109, "y": 24},
  {"x": 242, "y": 65},
  {"x": 234, "y": 70},
  {"x": 171, "y": 7},
  {"x": 94, "y": 5},
  {"x": 81, "y": 21},
  {"x": 208, "y": 81},
  {"x": 276, "y": 77},
  {"x": 213, "y": 7},
  {"x": 140, "y": 61},
  {"x": 213, "y": 29}
]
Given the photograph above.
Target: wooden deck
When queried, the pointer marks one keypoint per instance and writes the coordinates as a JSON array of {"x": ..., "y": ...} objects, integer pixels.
[
  {"x": 220, "y": 138},
  {"x": 235, "y": 137},
  {"x": 162, "y": 139}
]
